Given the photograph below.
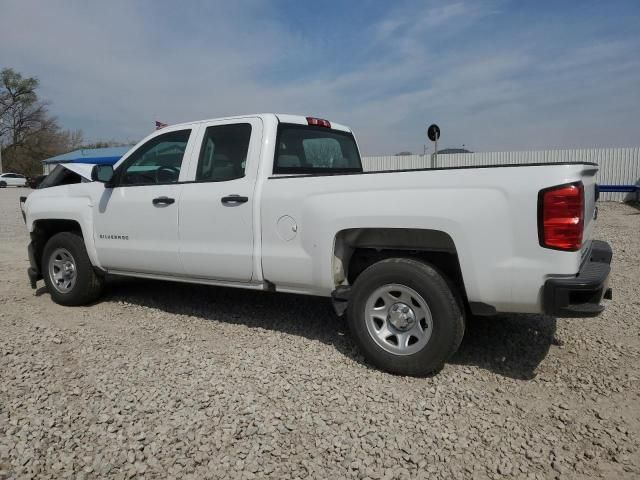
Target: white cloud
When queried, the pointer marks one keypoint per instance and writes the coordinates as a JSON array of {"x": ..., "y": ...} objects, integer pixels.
[
  {"x": 112, "y": 68},
  {"x": 108, "y": 64}
]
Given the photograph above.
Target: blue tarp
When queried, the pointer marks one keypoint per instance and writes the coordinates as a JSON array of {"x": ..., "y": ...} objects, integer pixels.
[
  {"x": 619, "y": 188},
  {"x": 107, "y": 156}
]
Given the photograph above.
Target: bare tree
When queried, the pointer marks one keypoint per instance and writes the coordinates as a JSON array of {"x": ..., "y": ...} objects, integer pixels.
[
  {"x": 107, "y": 144},
  {"x": 28, "y": 134},
  {"x": 22, "y": 114}
]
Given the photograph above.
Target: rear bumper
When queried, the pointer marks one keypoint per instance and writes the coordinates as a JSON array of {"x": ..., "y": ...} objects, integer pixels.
[{"x": 582, "y": 295}]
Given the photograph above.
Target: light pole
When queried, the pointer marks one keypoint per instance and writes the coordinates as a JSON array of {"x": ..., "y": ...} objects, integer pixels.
[{"x": 433, "y": 132}]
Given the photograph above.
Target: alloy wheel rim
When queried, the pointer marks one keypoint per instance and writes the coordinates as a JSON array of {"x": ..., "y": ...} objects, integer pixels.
[
  {"x": 62, "y": 270},
  {"x": 398, "y": 319}
]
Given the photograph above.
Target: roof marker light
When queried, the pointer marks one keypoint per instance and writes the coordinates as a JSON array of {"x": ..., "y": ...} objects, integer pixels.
[{"x": 318, "y": 122}]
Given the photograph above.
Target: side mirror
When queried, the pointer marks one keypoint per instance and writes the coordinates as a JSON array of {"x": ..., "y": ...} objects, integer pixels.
[{"x": 102, "y": 173}]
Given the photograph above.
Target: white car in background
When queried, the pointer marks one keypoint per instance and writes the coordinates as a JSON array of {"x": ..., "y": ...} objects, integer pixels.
[{"x": 12, "y": 180}]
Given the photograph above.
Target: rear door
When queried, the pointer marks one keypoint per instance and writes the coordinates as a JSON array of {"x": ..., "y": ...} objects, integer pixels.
[{"x": 217, "y": 206}]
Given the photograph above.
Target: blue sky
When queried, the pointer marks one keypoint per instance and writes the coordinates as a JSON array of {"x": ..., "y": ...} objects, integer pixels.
[{"x": 494, "y": 74}]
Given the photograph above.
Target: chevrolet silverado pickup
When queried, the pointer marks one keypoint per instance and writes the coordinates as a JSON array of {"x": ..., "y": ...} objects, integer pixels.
[{"x": 281, "y": 203}]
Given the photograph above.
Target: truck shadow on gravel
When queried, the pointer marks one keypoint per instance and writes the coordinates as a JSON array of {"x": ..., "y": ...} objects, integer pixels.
[{"x": 509, "y": 345}]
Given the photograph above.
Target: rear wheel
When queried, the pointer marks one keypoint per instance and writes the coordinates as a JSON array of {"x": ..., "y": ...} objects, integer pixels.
[
  {"x": 68, "y": 272},
  {"x": 405, "y": 317}
]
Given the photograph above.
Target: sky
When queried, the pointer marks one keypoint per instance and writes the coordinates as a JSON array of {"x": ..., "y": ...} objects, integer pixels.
[{"x": 495, "y": 75}]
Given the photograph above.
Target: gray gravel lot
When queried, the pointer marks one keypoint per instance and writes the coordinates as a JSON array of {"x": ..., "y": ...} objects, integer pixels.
[{"x": 166, "y": 380}]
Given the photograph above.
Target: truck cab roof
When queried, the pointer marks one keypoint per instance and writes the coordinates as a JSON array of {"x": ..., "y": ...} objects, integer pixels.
[{"x": 278, "y": 117}]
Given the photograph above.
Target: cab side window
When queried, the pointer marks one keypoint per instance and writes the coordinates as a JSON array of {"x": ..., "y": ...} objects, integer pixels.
[
  {"x": 156, "y": 162},
  {"x": 223, "y": 155}
]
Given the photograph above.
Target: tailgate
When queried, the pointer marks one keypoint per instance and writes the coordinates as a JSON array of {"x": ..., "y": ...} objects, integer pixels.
[{"x": 589, "y": 182}]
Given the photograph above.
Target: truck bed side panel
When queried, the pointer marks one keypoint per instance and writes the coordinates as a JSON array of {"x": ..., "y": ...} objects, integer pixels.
[{"x": 490, "y": 213}]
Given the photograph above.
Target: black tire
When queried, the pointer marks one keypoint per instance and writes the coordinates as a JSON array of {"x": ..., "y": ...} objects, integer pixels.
[
  {"x": 447, "y": 317},
  {"x": 3, "y": 184},
  {"x": 88, "y": 286}
]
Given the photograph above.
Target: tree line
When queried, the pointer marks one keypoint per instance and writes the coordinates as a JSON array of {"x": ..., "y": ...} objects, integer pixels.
[{"x": 28, "y": 132}]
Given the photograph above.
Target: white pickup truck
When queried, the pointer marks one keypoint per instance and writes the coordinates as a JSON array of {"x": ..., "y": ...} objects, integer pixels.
[{"x": 281, "y": 203}]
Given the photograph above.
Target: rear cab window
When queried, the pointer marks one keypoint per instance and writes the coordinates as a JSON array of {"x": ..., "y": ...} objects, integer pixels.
[{"x": 303, "y": 149}]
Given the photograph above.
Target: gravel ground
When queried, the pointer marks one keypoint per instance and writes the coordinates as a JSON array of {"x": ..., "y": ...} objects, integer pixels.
[{"x": 173, "y": 380}]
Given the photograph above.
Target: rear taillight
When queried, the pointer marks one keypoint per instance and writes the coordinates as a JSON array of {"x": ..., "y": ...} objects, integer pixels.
[
  {"x": 318, "y": 122},
  {"x": 561, "y": 217}
]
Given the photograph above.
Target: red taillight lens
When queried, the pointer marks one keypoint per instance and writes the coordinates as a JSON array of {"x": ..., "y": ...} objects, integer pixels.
[
  {"x": 561, "y": 217},
  {"x": 318, "y": 122}
]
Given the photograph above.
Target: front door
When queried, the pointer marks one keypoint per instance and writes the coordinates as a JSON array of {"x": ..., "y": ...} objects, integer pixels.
[
  {"x": 136, "y": 221},
  {"x": 216, "y": 210}
]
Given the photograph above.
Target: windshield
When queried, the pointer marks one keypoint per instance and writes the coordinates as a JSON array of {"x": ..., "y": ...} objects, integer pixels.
[{"x": 309, "y": 149}]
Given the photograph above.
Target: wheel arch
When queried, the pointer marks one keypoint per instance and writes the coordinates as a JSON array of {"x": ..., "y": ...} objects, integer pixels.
[
  {"x": 355, "y": 249},
  {"x": 44, "y": 229}
]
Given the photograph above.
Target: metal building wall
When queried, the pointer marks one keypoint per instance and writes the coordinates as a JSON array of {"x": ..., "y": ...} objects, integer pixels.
[{"x": 617, "y": 165}]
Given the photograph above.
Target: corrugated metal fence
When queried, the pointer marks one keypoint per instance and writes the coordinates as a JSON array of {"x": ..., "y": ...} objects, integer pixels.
[{"x": 618, "y": 166}]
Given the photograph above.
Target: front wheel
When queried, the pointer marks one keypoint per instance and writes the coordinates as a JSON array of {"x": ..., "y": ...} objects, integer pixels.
[
  {"x": 68, "y": 272},
  {"x": 404, "y": 317}
]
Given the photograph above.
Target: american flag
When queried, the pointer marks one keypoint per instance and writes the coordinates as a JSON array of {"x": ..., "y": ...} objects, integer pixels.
[{"x": 160, "y": 125}]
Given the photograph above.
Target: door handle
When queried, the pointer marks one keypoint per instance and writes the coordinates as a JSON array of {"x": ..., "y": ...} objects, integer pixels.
[
  {"x": 234, "y": 199},
  {"x": 163, "y": 201}
]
